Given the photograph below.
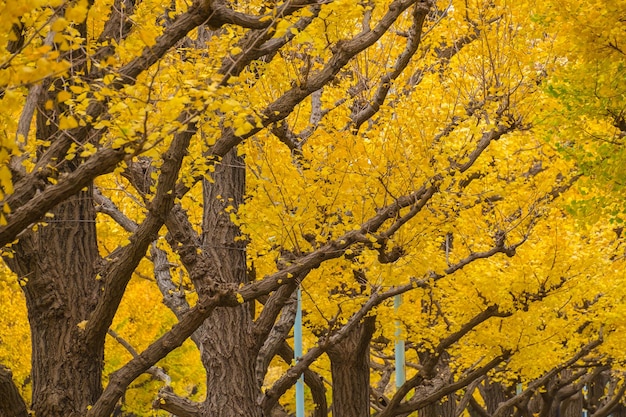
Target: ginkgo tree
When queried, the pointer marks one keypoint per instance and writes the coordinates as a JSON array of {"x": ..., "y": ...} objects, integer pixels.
[{"x": 217, "y": 156}]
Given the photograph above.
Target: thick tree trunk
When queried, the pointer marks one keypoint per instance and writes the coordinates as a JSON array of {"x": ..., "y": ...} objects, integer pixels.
[
  {"x": 349, "y": 361},
  {"x": 571, "y": 407},
  {"x": 227, "y": 354},
  {"x": 494, "y": 393},
  {"x": 446, "y": 407},
  {"x": 56, "y": 265},
  {"x": 443, "y": 408}
]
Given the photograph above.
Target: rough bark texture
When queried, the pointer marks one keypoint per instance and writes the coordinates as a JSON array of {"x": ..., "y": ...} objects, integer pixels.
[
  {"x": 232, "y": 389},
  {"x": 571, "y": 407},
  {"x": 349, "y": 362},
  {"x": 57, "y": 265},
  {"x": 494, "y": 394},
  {"x": 440, "y": 375},
  {"x": 444, "y": 408},
  {"x": 11, "y": 402}
]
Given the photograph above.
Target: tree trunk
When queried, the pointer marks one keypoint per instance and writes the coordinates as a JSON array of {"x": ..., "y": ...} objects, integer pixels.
[
  {"x": 494, "y": 394},
  {"x": 446, "y": 407},
  {"x": 11, "y": 402},
  {"x": 572, "y": 406},
  {"x": 227, "y": 354},
  {"x": 349, "y": 362},
  {"x": 56, "y": 265},
  {"x": 443, "y": 408}
]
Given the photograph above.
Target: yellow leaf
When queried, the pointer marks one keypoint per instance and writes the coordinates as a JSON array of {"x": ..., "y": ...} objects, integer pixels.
[
  {"x": 244, "y": 128},
  {"x": 147, "y": 37},
  {"x": 67, "y": 122},
  {"x": 63, "y": 96},
  {"x": 78, "y": 12},
  {"x": 59, "y": 24},
  {"x": 108, "y": 79}
]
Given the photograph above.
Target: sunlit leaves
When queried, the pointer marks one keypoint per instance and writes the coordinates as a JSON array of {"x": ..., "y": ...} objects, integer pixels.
[{"x": 466, "y": 120}]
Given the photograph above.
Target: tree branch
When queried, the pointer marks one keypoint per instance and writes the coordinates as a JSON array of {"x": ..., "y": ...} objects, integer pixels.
[
  {"x": 610, "y": 405},
  {"x": 311, "y": 379},
  {"x": 274, "y": 337},
  {"x": 102, "y": 162},
  {"x": 155, "y": 371},
  {"x": 533, "y": 386},
  {"x": 120, "y": 270},
  {"x": 289, "y": 378},
  {"x": 172, "y": 403},
  {"x": 420, "y": 12}
]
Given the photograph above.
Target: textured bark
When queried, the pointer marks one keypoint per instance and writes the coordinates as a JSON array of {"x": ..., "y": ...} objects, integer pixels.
[
  {"x": 57, "y": 264},
  {"x": 444, "y": 408},
  {"x": 571, "y": 407},
  {"x": 349, "y": 362},
  {"x": 494, "y": 394},
  {"x": 227, "y": 340},
  {"x": 441, "y": 376},
  {"x": 11, "y": 402}
]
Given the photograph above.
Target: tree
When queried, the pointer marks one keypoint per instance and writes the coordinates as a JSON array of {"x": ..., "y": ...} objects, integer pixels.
[
  {"x": 359, "y": 151},
  {"x": 585, "y": 99}
]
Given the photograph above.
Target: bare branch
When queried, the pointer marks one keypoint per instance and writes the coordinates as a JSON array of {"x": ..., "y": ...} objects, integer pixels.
[
  {"x": 106, "y": 206},
  {"x": 312, "y": 380},
  {"x": 172, "y": 403},
  {"x": 155, "y": 371}
]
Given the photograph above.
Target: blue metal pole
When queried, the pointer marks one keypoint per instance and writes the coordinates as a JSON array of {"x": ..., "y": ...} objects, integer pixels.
[
  {"x": 399, "y": 346},
  {"x": 297, "y": 348}
]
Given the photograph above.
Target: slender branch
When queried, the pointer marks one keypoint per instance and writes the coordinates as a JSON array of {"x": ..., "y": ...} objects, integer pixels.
[
  {"x": 469, "y": 392},
  {"x": 420, "y": 12},
  {"x": 173, "y": 297},
  {"x": 155, "y": 371},
  {"x": 108, "y": 207},
  {"x": 311, "y": 379},
  {"x": 274, "y": 305},
  {"x": 116, "y": 28}
]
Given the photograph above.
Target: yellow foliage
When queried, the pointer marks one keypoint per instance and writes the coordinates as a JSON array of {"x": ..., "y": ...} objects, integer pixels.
[{"x": 315, "y": 176}]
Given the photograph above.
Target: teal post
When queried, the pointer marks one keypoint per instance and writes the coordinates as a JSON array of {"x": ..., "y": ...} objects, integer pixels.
[
  {"x": 297, "y": 349},
  {"x": 399, "y": 346}
]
